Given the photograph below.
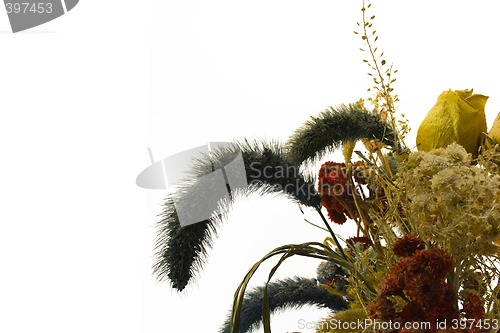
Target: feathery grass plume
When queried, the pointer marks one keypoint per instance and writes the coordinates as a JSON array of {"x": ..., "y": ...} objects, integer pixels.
[
  {"x": 333, "y": 127},
  {"x": 290, "y": 293},
  {"x": 333, "y": 275},
  {"x": 182, "y": 251},
  {"x": 270, "y": 170}
]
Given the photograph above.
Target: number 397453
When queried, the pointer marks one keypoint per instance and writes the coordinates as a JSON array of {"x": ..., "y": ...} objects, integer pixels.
[{"x": 29, "y": 8}]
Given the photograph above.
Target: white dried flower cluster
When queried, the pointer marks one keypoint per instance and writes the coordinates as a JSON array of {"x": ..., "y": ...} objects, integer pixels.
[{"x": 452, "y": 202}]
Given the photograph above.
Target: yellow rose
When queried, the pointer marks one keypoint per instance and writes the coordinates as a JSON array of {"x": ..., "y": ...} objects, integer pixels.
[
  {"x": 494, "y": 132},
  {"x": 458, "y": 116}
]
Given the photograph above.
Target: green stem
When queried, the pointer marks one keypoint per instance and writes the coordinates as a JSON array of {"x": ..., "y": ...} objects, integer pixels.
[
  {"x": 332, "y": 233},
  {"x": 315, "y": 225},
  {"x": 385, "y": 88}
]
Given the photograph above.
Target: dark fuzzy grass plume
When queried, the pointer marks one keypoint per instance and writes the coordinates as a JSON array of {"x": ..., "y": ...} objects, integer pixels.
[
  {"x": 290, "y": 293},
  {"x": 327, "y": 131},
  {"x": 181, "y": 251}
]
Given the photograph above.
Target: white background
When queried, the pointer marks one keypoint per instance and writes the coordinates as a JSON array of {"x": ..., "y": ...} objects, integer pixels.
[{"x": 83, "y": 96}]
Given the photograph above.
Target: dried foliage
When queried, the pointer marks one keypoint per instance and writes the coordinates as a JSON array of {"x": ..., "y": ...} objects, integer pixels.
[{"x": 427, "y": 241}]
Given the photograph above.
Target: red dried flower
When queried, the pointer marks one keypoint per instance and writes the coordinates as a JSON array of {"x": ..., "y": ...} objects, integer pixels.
[
  {"x": 332, "y": 176},
  {"x": 442, "y": 312},
  {"x": 412, "y": 312},
  {"x": 407, "y": 245},
  {"x": 424, "y": 290},
  {"x": 473, "y": 307},
  {"x": 434, "y": 262},
  {"x": 336, "y": 212},
  {"x": 382, "y": 309},
  {"x": 337, "y": 188},
  {"x": 419, "y": 279},
  {"x": 333, "y": 184}
]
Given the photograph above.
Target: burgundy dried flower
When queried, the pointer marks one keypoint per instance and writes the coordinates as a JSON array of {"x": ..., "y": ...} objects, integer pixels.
[
  {"x": 473, "y": 307},
  {"x": 333, "y": 184},
  {"x": 418, "y": 278},
  {"x": 434, "y": 262},
  {"x": 407, "y": 245},
  {"x": 336, "y": 211},
  {"x": 424, "y": 291},
  {"x": 337, "y": 188}
]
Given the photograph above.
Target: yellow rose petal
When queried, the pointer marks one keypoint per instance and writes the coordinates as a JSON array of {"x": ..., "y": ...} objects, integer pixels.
[{"x": 458, "y": 116}]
